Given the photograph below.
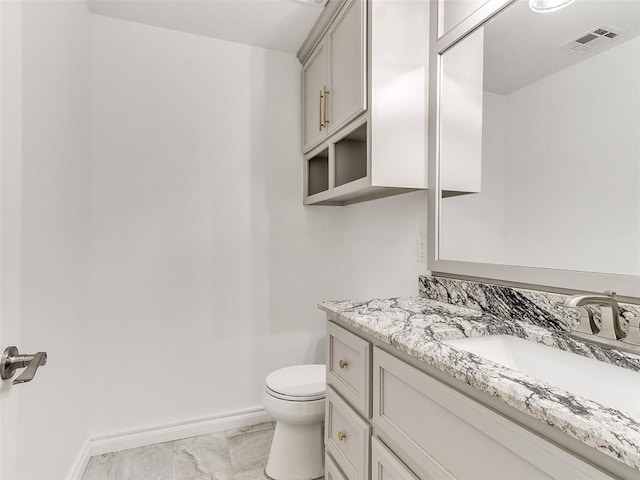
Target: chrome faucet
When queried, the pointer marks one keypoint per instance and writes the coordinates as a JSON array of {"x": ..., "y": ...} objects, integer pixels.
[{"x": 611, "y": 326}]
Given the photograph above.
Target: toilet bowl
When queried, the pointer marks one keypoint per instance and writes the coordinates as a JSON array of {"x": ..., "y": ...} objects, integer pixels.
[{"x": 294, "y": 397}]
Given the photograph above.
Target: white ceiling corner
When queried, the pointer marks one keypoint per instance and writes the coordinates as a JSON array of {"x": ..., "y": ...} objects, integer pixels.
[{"x": 274, "y": 24}]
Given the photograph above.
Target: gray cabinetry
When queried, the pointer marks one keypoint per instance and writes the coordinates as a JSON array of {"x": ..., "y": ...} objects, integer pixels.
[
  {"x": 347, "y": 437},
  {"x": 349, "y": 367},
  {"x": 364, "y": 115},
  {"x": 385, "y": 465},
  {"x": 332, "y": 472},
  {"x": 334, "y": 76},
  {"x": 314, "y": 82},
  {"x": 346, "y": 41},
  {"x": 422, "y": 428}
]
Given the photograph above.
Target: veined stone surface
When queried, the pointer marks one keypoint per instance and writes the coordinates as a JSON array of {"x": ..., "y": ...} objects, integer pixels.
[{"x": 417, "y": 325}]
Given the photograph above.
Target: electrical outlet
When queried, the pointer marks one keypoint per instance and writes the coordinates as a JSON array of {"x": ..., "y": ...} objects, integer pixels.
[{"x": 421, "y": 249}]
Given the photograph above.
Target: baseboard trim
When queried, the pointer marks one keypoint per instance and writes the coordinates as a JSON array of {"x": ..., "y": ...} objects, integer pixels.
[
  {"x": 117, "y": 441},
  {"x": 79, "y": 466}
]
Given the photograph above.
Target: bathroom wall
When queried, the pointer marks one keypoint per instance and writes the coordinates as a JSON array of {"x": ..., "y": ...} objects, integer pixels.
[
  {"x": 532, "y": 209},
  {"x": 559, "y": 228},
  {"x": 47, "y": 176},
  {"x": 207, "y": 268}
]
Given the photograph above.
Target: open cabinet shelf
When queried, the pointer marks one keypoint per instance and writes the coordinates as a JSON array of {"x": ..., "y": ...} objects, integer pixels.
[
  {"x": 350, "y": 157},
  {"x": 340, "y": 173},
  {"x": 318, "y": 172}
]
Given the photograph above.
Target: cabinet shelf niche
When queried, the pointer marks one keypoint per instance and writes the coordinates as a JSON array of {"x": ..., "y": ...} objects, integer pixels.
[
  {"x": 318, "y": 172},
  {"x": 350, "y": 157}
]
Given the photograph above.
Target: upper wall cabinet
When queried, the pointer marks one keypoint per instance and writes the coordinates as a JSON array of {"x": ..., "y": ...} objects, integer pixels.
[
  {"x": 334, "y": 76},
  {"x": 314, "y": 92},
  {"x": 364, "y": 84}
]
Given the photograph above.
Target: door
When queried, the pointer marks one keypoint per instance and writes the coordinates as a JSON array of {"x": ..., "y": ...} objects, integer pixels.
[
  {"x": 45, "y": 229},
  {"x": 10, "y": 154}
]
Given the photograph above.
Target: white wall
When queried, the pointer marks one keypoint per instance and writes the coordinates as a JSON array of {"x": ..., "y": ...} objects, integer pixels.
[
  {"x": 207, "y": 268},
  {"x": 565, "y": 203},
  {"x": 576, "y": 204},
  {"x": 53, "y": 181}
]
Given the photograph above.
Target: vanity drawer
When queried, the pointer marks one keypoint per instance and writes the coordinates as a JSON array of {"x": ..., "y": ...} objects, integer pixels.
[
  {"x": 332, "y": 472},
  {"x": 347, "y": 437},
  {"x": 445, "y": 434},
  {"x": 386, "y": 466},
  {"x": 349, "y": 367}
]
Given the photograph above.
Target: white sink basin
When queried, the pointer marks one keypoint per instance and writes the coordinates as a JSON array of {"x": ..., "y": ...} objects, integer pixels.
[{"x": 613, "y": 386}]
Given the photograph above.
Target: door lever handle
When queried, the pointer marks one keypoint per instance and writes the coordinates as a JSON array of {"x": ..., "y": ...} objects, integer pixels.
[{"x": 12, "y": 360}]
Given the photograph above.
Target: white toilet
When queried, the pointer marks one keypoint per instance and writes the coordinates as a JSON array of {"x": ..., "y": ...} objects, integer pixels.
[{"x": 294, "y": 397}]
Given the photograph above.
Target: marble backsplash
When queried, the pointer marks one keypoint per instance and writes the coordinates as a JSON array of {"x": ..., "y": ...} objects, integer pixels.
[{"x": 537, "y": 307}]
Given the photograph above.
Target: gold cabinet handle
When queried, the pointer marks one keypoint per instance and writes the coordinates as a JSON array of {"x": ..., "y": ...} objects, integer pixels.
[
  {"x": 320, "y": 113},
  {"x": 325, "y": 93},
  {"x": 342, "y": 436},
  {"x": 343, "y": 364}
]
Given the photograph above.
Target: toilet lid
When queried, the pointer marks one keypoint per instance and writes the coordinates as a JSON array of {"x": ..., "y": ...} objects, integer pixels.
[{"x": 298, "y": 381}]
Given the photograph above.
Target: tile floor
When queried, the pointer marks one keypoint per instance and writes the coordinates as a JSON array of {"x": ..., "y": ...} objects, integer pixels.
[{"x": 232, "y": 455}]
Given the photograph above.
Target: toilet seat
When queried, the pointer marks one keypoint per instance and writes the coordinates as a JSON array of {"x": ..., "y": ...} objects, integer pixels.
[
  {"x": 293, "y": 398},
  {"x": 300, "y": 383}
]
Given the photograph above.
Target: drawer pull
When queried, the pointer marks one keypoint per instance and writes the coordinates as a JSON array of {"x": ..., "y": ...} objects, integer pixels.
[
  {"x": 343, "y": 364},
  {"x": 342, "y": 436}
]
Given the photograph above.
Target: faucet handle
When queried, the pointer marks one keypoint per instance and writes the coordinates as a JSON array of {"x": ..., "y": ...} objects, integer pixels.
[
  {"x": 610, "y": 293},
  {"x": 586, "y": 322},
  {"x": 633, "y": 331}
]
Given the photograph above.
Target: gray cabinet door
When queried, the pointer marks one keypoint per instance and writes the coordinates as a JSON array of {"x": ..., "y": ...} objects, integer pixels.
[
  {"x": 385, "y": 465},
  {"x": 441, "y": 433},
  {"x": 314, "y": 80},
  {"x": 347, "y": 67}
]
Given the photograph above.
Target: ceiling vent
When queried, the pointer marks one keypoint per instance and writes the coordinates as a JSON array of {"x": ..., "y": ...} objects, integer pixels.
[{"x": 602, "y": 35}]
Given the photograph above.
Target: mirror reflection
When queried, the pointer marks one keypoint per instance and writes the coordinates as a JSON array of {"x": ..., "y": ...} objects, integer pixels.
[{"x": 539, "y": 140}]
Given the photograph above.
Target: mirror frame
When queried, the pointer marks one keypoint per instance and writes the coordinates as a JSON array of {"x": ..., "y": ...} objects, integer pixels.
[{"x": 561, "y": 281}]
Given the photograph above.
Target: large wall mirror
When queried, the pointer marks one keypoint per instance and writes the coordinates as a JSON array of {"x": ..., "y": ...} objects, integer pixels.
[{"x": 537, "y": 152}]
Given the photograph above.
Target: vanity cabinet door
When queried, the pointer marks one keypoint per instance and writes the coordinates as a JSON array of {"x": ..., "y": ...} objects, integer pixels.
[
  {"x": 347, "y": 437},
  {"x": 444, "y": 434},
  {"x": 349, "y": 367},
  {"x": 332, "y": 472},
  {"x": 386, "y": 466}
]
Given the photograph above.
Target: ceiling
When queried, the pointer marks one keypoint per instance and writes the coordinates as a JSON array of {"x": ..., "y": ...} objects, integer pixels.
[
  {"x": 274, "y": 24},
  {"x": 521, "y": 46}
]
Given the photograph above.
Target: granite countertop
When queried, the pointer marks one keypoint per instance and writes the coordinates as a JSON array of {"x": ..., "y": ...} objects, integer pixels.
[{"x": 418, "y": 325}]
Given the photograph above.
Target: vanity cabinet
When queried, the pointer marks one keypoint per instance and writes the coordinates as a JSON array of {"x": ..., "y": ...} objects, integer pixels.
[
  {"x": 349, "y": 367},
  {"x": 347, "y": 437},
  {"x": 385, "y": 465},
  {"x": 454, "y": 436},
  {"x": 422, "y": 428},
  {"x": 332, "y": 472},
  {"x": 348, "y": 408},
  {"x": 364, "y": 107}
]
